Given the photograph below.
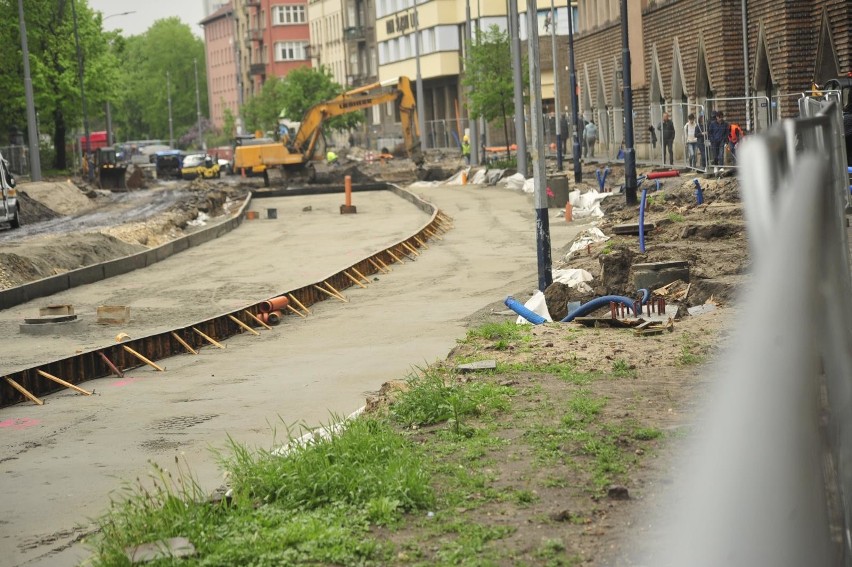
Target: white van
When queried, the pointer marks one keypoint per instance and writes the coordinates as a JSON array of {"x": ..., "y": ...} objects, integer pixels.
[{"x": 9, "y": 207}]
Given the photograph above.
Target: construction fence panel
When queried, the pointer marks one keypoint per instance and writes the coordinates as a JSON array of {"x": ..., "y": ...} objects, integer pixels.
[
  {"x": 18, "y": 158},
  {"x": 679, "y": 113},
  {"x": 737, "y": 110}
]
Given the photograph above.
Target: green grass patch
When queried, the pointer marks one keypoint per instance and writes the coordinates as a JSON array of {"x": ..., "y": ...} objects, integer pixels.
[
  {"x": 675, "y": 217},
  {"x": 689, "y": 352},
  {"x": 647, "y": 433},
  {"x": 622, "y": 369},
  {"x": 434, "y": 398},
  {"x": 313, "y": 505}
]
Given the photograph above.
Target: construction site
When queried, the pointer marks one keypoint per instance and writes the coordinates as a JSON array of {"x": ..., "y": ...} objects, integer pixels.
[{"x": 166, "y": 339}]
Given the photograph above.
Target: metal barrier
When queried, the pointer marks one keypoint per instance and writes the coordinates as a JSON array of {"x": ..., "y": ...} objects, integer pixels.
[
  {"x": 678, "y": 113},
  {"x": 445, "y": 133},
  {"x": 773, "y": 455}
]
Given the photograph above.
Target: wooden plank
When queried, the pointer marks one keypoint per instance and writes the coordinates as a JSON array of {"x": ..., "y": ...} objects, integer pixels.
[
  {"x": 24, "y": 391},
  {"x": 62, "y": 382}
]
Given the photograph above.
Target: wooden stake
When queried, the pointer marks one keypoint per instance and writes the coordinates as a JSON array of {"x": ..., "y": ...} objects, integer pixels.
[
  {"x": 404, "y": 252},
  {"x": 379, "y": 268},
  {"x": 395, "y": 257},
  {"x": 420, "y": 242},
  {"x": 209, "y": 339},
  {"x": 184, "y": 343},
  {"x": 328, "y": 293},
  {"x": 24, "y": 391},
  {"x": 353, "y": 279},
  {"x": 142, "y": 358},
  {"x": 299, "y": 303},
  {"x": 410, "y": 247},
  {"x": 360, "y": 275},
  {"x": 296, "y": 311},
  {"x": 382, "y": 262},
  {"x": 261, "y": 323},
  {"x": 243, "y": 325},
  {"x": 433, "y": 234},
  {"x": 62, "y": 382}
]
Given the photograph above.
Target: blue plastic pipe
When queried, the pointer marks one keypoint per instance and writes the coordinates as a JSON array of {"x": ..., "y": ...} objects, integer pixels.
[
  {"x": 699, "y": 194},
  {"x": 601, "y": 178},
  {"x": 595, "y": 304},
  {"x": 519, "y": 308},
  {"x": 646, "y": 294}
]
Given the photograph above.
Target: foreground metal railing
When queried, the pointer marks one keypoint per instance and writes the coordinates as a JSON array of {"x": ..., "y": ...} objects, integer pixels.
[
  {"x": 769, "y": 479},
  {"x": 32, "y": 383}
]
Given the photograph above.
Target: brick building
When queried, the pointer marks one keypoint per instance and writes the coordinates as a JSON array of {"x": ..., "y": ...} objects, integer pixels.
[
  {"x": 688, "y": 54},
  {"x": 222, "y": 85}
]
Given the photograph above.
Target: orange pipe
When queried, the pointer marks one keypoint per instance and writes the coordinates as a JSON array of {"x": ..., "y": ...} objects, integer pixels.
[
  {"x": 274, "y": 304},
  {"x": 274, "y": 317},
  {"x": 347, "y": 184}
]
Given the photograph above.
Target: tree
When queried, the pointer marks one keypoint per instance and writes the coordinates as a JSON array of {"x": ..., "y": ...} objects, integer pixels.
[
  {"x": 53, "y": 64},
  {"x": 489, "y": 78},
  {"x": 168, "y": 47},
  {"x": 290, "y": 97}
]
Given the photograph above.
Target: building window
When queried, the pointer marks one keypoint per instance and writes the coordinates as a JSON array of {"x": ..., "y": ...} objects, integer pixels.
[
  {"x": 290, "y": 50},
  {"x": 291, "y": 14}
]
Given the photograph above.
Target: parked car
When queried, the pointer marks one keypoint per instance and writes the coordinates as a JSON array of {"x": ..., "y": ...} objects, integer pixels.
[
  {"x": 199, "y": 165},
  {"x": 10, "y": 207}
]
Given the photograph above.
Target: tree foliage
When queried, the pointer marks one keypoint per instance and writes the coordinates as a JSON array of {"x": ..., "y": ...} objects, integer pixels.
[
  {"x": 167, "y": 48},
  {"x": 488, "y": 74},
  {"x": 54, "y": 68},
  {"x": 290, "y": 98}
]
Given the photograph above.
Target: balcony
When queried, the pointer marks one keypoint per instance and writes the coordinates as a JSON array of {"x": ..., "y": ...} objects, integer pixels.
[
  {"x": 257, "y": 69},
  {"x": 252, "y": 3},
  {"x": 355, "y": 33},
  {"x": 360, "y": 80},
  {"x": 254, "y": 35}
]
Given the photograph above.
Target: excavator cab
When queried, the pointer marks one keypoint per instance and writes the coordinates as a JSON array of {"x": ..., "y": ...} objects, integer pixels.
[{"x": 111, "y": 174}]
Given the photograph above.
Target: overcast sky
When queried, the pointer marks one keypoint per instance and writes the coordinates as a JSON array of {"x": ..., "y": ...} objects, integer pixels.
[{"x": 147, "y": 12}]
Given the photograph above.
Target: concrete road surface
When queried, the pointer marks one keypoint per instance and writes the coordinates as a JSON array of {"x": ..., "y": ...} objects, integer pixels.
[{"x": 60, "y": 462}]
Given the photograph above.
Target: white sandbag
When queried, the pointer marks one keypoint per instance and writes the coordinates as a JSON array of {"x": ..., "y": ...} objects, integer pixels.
[
  {"x": 478, "y": 177},
  {"x": 515, "y": 181},
  {"x": 588, "y": 236},
  {"x": 529, "y": 185},
  {"x": 536, "y": 304}
]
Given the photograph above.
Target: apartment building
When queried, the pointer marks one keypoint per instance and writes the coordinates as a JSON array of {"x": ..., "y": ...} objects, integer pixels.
[
  {"x": 276, "y": 38},
  {"x": 221, "y": 60}
]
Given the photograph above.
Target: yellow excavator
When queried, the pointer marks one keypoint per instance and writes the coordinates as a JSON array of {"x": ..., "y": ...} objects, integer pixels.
[{"x": 292, "y": 156}]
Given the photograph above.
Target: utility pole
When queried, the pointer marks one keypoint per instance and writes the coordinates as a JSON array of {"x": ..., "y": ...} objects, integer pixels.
[
  {"x": 629, "y": 151},
  {"x": 576, "y": 152},
  {"x": 421, "y": 99},
  {"x": 746, "y": 75},
  {"x": 32, "y": 125},
  {"x": 82, "y": 90},
  {"x": 169, "y": 95},
  {"x": 198, "y": 106},
  {"x": 520, "y": 130},
  {"x": 109, "y": 124},
  {"x": 542, "y": 219},
  {"x": 474, "y": 131},
  {"x": 556, "y": 99}
]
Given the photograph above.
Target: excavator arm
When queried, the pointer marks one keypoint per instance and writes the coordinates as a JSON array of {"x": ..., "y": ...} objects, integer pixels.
[{"x": 395, "y": 90}]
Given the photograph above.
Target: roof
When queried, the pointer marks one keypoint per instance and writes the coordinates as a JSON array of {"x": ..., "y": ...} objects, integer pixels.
[{"x": 220, "y": 13}]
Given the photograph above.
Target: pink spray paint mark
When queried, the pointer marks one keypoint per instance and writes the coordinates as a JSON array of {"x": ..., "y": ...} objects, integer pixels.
[
  {"x": 19, "y": 423},
  {"x": 124, "y": 382}
]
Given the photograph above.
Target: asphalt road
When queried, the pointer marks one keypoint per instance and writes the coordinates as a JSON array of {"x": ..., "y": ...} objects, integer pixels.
[{"x": 60, "y": 462}]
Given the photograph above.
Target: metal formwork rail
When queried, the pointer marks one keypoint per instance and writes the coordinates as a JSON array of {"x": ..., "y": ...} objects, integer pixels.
[{"x": 31, "y": 383}]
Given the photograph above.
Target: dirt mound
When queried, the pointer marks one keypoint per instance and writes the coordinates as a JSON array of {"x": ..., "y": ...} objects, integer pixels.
[
  {"x": 557, "y": 296},
  {"x": 34, "y": 211},
  {"x": 27, "y": 261},
  {"x": 63, "y": 197}
]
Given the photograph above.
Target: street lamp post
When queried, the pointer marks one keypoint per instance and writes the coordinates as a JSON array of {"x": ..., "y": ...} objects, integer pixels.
[
  {"x": 169, "y": 95},
  {"x": 474, "y": 135},
  {"x": 556, "y": 98},
  {"x": 108, "y": 109},
  {"x": 198, "y": 106},
  {"x": 32, "y": 125},
  {"x": 421, "y": 102},
  {"x": 575, "y": 100},
  {"x": 630, "y": 182},
  {"x": 82, "y": 89}
]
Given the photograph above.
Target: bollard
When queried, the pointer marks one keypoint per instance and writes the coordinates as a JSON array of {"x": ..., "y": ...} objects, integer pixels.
[
  {"x": 348, "y": 208},
  {"x": 569, "y": 212}
]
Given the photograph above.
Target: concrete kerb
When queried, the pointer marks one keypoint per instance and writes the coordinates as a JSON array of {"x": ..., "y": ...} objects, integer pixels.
[
  {"x": 118, "y": 266},
  {"x": 88, "y": 365}
]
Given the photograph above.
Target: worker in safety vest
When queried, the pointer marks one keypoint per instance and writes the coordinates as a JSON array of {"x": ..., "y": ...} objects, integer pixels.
[
  {"x": 331, "y": 157},
  {"x": 466, "y": 149}
]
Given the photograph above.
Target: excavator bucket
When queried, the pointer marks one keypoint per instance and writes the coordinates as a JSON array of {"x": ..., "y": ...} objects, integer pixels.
[{"x": 113, "y": 177}]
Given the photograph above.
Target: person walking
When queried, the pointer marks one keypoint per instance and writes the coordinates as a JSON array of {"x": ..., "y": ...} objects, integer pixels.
[
  {"x": 718, "y": 134},
  {"x": 667, "y": 133},
  {"x": 581, "y": 133},
  {"x": 735, "y": 134},
  {"x": 590, "y": 135},
  {"x": 690, "y": 134},
  {"x": 565, "y": 129},
  {"x": 700, "y": 129},
  {"x": 465, "y": 149}
]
